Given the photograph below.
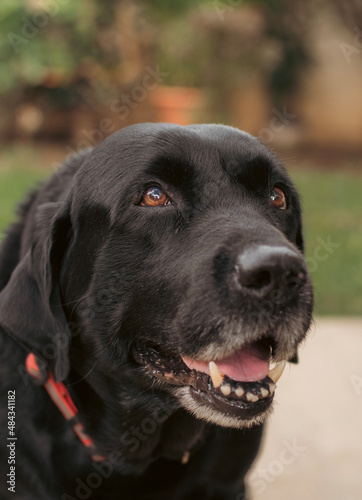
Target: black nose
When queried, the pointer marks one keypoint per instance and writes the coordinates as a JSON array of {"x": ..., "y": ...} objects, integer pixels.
[{"x": 262, "y": 270}]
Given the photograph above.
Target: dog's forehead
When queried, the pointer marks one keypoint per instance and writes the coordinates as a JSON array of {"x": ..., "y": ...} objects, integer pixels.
[
  {"x": 177, "y": 154},
  {"x": 199, "y": 146}
]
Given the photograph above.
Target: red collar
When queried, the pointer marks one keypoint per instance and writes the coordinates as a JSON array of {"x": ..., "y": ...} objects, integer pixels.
[{"x": 61, "y": 397}]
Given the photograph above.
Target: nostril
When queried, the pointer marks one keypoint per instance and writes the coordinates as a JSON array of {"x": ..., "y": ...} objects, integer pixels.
[
  {"x": 258, "y": 278},
  {"x": 295, "y": 278}
]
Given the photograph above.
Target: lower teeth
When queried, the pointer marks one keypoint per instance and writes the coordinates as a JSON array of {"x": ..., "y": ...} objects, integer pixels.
[
  {"x": 219, "y": 384},
  {"x": 247, "y": 391}
]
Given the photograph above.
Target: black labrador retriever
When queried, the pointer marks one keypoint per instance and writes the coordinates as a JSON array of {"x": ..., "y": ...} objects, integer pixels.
[{"x": 145, "y": 292}]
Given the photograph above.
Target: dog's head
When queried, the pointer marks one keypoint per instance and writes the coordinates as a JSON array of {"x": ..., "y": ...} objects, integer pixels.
[{"x": 174, "y": 247}]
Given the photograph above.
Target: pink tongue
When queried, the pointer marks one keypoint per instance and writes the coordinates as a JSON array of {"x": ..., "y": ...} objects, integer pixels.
[{"x": 249, "y": 364}]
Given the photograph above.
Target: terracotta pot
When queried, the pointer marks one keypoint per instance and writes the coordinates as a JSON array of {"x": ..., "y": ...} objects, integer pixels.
[{"x": 180, "y": 105}]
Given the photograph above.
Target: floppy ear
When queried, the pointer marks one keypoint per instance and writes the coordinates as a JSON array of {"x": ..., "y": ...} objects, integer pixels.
[{"x": 30, "y": 304}]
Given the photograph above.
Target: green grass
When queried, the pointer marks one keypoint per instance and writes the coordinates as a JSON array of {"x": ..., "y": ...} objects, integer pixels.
[
  {"x": 17, "y": 176},
  {"x": 332, "y": 213},
  {"x": 12, "y": 188}
]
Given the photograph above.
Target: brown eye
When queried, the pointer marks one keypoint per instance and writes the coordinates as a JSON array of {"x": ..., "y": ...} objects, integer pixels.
[
  {"x": 154, "y": 197},
  {"x": 278, "y": 199}
]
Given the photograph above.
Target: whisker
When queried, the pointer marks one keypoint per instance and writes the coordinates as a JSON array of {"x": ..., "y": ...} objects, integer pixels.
[{"x": 85, "y": 376}]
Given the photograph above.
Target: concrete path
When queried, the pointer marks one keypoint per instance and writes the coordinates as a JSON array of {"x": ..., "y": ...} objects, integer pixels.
[{"x": 313, "y": 445}]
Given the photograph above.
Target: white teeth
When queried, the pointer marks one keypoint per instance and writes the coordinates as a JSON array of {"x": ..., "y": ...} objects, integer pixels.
[
  {"x": 225, "y": 389},
  {"x": 272, "y": 388},
  {"x": 239, "y": 392},
  {"x": 264, "y": 392},
  {"x": 216, "y": 376},
  {"x": 277, "y": 371},
  {"x": 251, "y": 397}
]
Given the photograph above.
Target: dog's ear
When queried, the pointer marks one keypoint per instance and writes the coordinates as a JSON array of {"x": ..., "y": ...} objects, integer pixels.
[{"x": 30, "y": 304}]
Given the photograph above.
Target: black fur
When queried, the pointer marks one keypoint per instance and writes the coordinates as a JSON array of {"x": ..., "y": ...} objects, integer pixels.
[{"x": 88, "y": 272}]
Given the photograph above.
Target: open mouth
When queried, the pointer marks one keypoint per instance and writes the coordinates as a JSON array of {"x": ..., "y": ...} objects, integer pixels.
[{"x": 241, "y": 385}]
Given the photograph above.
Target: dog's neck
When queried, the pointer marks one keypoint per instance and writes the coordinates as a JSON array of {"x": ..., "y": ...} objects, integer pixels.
[
  {"x": 158, "y": 434},
  {"x": 133, "y": 424}
]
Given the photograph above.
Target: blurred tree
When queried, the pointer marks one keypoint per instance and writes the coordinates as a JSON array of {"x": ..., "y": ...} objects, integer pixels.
[
  {"x": 87, "y": 51},
  {"x": 62, "y": 54},
  {"x": 61, "y": 42},
  {"x": 223, "y": 44},
  {"x": 44, "y": 46},
  {"x": 288, "y": 24}
]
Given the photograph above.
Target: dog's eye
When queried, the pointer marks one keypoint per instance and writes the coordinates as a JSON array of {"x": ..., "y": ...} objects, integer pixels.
[
  {"x": 154, "y": 197},
  {"x": 278, "y": 199}
]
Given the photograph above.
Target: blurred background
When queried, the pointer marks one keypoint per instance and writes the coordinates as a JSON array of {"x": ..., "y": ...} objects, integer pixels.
[{"x": 71, "y": 73}]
